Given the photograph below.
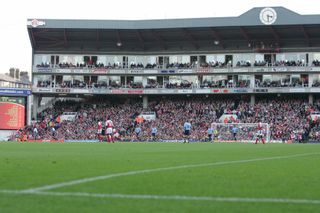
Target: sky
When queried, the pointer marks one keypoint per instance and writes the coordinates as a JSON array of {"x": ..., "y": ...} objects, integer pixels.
[{"x": 14, "y": 40}]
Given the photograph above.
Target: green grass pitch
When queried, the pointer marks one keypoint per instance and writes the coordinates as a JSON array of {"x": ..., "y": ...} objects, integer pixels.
[{"x": 159, "y": 177}]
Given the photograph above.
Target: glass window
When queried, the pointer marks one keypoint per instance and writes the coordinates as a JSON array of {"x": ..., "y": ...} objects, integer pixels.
[
  {"x": 151, "y": 79},
  {"x": 43, "y": 77},
  {"x": 102, "y": 60},
  {"x": 151, "y": 59},
  {"x": 103, "y": 78},
  {"x": 316, "y": 56},
  {"x": 185, "y": 59},
  {"x": 259, "y": 57},
  {"x": 244, "y": 77},
  {"x": 296, "y": 79},
  {"x": 137, "y": 79},
  {"x": 141, "y": 60},
  {"x": 211, "y": 58},
  {"x": 117, "y": 60},
  {"x": 71, "y": 59},
  {"x": 78, "y": 77},
  {"x": 278, "y": 77},
  {"x": 39, "y": 59},
  {"x": 42, "y": 80},
  {"x": 78, "y": 59},
  {"x": 65, "y": 59},
  {"x": 67, "y": 78},
  {"x": 190, "y": 78},
  {"x": 221, "y": 58},
  {"x": 315, "y": 80},
  {"x": 132, "y": 60},
  {"x": 291, "y": 57},
  {"x": 114, "y": 81},
  {"x": 173, "y": 59},
  {"x": 280, "y": 57},
  {"x": 109, "y": 60},
  {"x": 242, "y": 58},
  {"x": 174, "y": 79},
  {"x": 115, "y": 78},
  {"x": 267, "y": 77}
]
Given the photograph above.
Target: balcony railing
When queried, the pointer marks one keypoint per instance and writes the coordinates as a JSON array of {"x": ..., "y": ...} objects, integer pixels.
[
  {"x": 191, "y": 90},
  {"x": 175, "y": 71}
]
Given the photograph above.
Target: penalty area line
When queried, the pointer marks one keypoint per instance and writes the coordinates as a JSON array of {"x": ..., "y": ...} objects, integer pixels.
[{"x": 166, "y": 197}]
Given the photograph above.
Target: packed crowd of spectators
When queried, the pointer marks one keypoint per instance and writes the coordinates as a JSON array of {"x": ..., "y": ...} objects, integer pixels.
[
  {"x": 289, "y": 119},
  {"x": 315, "y": 123},
  {"x": 285, "y": 117}
]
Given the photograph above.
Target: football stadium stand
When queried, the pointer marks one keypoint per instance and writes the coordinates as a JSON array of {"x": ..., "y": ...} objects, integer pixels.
[{"x": 262, "y": 66}]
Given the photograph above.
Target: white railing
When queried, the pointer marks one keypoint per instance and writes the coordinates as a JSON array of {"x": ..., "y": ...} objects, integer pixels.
[{"x": 174, "y": 71}]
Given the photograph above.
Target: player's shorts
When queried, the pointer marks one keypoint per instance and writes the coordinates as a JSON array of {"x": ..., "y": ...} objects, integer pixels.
[
  {"x": 99, "y": 131},
  {"x": 259, "y": 136},
  {"x": 186, "y": 132},
  {"x": 153, "y": 134},
  {"x": 109, "y": 131}
]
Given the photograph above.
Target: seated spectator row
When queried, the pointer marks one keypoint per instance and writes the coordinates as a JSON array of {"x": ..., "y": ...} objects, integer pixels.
[{"x": 212, "y": 64}]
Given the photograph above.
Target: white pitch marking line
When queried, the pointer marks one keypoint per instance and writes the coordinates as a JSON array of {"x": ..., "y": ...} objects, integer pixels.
[
  {"x": 135, "y": 172},
  {"x": 167, "y": 197}
]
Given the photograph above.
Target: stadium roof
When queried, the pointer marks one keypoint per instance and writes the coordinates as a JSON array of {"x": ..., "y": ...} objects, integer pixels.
[{"x": 262, "y": 29}]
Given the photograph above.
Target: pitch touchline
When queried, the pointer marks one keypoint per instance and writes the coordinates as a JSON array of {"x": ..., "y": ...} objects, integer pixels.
[
  {"x": 135, "y": 172},
  {"x": 167, "y": 197}
]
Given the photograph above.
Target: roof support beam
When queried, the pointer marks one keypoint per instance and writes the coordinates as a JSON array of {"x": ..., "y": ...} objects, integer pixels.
[
  {"x": 98, "y": 43},
  {"x": 65, "y": 38},
  {"x": 190, "y": 38},
  {"x": 159, "y": 39},
  {"x": 33, "y": 39},
  {"x": 141, "y": 40},
  {"x": 119, "y": 42},
  {"x": 245, "y": 34},
  {"x": 275, "y": 34},
  {"x": 306, "y": 35},
  {"x": 217, "y": 37}
]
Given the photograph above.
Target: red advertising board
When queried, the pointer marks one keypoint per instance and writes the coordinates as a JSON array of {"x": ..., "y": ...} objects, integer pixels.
[{"x": 135, "y": 91}]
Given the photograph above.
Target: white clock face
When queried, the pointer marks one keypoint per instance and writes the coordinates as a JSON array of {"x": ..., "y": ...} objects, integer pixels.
[{"x": 268, "y": 16}]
